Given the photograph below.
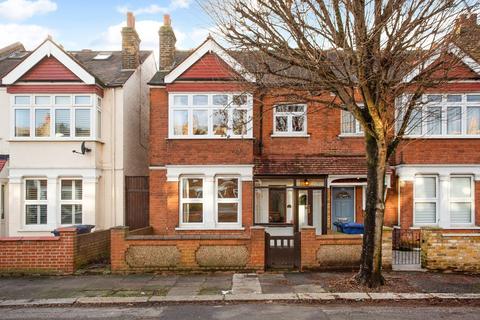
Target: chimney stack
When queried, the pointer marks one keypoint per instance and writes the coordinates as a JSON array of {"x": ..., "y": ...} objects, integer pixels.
[
  {"x": 130, "y": 44},
  {"x": 167, "y": 44}
]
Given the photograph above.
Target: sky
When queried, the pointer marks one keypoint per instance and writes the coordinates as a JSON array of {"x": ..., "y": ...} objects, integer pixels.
[{"x": 96, "y": 24}]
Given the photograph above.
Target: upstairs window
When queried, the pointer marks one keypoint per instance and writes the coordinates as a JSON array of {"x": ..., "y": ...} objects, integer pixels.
[
  {"x": 201, "y": 116},
  {"x": 56, "y": 117},
  {"x": 350, "y": 125},
  {"x": 290, "y": 119}
]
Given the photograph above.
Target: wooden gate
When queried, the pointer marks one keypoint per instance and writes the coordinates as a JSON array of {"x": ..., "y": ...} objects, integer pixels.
[
  {"x": 136, "y": 202},
  {"x": 282, "y": 252}
]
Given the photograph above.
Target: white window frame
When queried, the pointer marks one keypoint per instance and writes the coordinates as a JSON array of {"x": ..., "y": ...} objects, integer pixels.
[
  {"x": 52, "y": 107},
  {"x": 210, "y": 108},
  {"x": 358, "y": 127},
  {"x": 470, "y": 200},
  {"x": 435, "y": 200},
  {"x": 464, "y": 105},
  {"x": 237, "y": 200},
  {"x": 183, "y": 200},
  {"x": 290, "y": 115},
  {"x": 71, "y": 202},
  {"x": 34, "y": 202}
]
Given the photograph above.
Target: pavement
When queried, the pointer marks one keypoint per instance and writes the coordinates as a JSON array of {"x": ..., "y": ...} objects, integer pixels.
[
  {"x": 292, "y": 287},
  {"x": 247, "y": 311}
]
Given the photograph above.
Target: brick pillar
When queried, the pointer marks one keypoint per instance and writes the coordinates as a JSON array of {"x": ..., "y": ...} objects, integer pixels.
[
  {"x": 308, "y": 247},
  {"x": 68, "y": 240},
  {"x": 130, "y": 44},
  {"x": 118, "y": 249},
  {"x": 167, "y": 44},
  {"x": 387, "y": 248},
  {"x": 257, "y": 248}
]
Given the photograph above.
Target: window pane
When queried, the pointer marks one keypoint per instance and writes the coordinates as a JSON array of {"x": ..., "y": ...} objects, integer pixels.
[
  {"x": 22, "y": 100},
  {"x": 62, "y": 123},
  {"x": 31, "y": 190},
  {"x": 41, "y": 100},
  {"x": 425, "y": 187},
  {"x": 220, "y": 100},
  {"x": 227, "y": 188},
  {"x": 239, "y": 100},
  {"x": 473, "y": 98},
  {"x": 425, "y": 212},
  {"x": 348, "y": 122},
  {"x": 277, "y": 206},
  {"x": 63, "y": 100},
  {"x": 461, "y": 212},
  {"x": 192, "y": 188},
  {"x": 66, "y": 190},
  {"x": 192, "y": 212},
  {"x": 99, "y": 124},
  {"x": 281, "y": 123},
  {"x": 200, "y": 100},
  {"x": 228, "y": 212},
  {"x": 434, "y": 98},
  {"x": 66, "y": 214},
  {"x": 297, "y": 123},
  {"x": 200, "y": 122},
  {"x": 473, "y": 120},
  {"x": 454, "y": 120},
  {"x": 220, "y": 122},
  {"x": 31, "y": 212},
  {"x": 460, "y": 187},
  {"x": 42, "y": 122},
  {"x": 180, "y": 127},
  {"x": 78, "y": 213},
  {"x": 78, "y": 189},
  {"x": 454, "y": 98},
  {"x": 415, "y": 122},
  {"x": 239, "y": 122},
  {"x": 83, "y": 100},
  {"x": 180, "y": 100},
  {"x": 22, "y": 123},
  {"x": 82, "y": 122},
  {"x": 434, "y": 121}
]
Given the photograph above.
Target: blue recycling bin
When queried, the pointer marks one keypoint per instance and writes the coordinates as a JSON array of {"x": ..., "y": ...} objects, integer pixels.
[
  {"x": 349, "y": 227},
  {"x": 81, "y": 229}
]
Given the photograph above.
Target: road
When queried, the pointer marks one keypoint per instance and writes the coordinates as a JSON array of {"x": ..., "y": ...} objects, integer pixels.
[{"x": 247, "y": 312}]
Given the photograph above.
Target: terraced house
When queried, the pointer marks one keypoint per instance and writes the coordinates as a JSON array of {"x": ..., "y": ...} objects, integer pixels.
[
  {"x": 73, "y": 126},
  {"x": 231, "y": 166}
]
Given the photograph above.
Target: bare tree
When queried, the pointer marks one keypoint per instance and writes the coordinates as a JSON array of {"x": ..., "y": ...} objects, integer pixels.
[{"x": 367, "y": 53}]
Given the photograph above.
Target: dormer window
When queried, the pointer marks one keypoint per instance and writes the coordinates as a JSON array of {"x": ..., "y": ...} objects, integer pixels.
[{"x": 210, "y": 116}]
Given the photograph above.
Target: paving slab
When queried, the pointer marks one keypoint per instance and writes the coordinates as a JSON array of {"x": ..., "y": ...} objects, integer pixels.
[
  {"x": 246, "y": 283},
  {"x": 308, "y": 288},
  {"x": 384, "y": 296},
  {"x": 111, "y": 300},
  {"x": 315, "y": 296},
  {"x": 352, "y": 296}
]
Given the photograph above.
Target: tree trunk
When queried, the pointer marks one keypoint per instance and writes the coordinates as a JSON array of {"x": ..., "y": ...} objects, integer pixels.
[{"x": 370, "y": 273}]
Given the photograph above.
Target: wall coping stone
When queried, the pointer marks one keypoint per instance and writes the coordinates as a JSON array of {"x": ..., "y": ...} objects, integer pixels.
[
  {"x": 338, "y": 236},
  {"x": 45, "y": 238},
  {"x": 188, "y": 237},
  {"x": 460, "y": 234}
]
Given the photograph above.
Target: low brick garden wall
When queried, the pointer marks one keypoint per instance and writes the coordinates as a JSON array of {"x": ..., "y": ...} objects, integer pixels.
[
  {"x": 338, "y": 251},
  {"x": 52, "y": 255},
  {"x": 139, "y": 251},
  {"x": 451, "y": 251}
]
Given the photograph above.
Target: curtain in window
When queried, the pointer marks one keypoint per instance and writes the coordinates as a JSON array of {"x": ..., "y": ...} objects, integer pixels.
[
  {"x": 82, "y": 122},
  {"x": 62, "y": 123}
]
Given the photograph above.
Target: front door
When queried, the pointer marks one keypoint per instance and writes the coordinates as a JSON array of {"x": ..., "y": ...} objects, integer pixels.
[{"x": 343, "y": 204}]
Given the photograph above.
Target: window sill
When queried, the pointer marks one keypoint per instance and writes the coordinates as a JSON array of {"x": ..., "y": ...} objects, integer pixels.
[
  {"x": 55, "y": 140},
  {"x": 276, "y": 135},
  {"x": 351, "y": 135},
  {"x": 37, "y": 229}
]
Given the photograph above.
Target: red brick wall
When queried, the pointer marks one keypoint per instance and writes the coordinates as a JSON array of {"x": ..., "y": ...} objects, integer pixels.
[
  {"x": 187, "y": 245},
  {"x": 93, "y": 246}
]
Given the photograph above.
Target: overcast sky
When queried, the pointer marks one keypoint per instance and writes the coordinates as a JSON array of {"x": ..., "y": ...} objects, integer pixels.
[{"x": 96, "y": 24}]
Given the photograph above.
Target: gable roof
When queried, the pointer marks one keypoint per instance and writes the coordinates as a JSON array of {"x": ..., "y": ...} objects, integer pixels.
[
  {"x": 108, "y": 72},
  {"x": 208, "y": 46}
]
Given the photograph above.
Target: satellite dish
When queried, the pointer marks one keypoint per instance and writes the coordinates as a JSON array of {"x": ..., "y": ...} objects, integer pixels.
[{"x": 83, "y": 149}]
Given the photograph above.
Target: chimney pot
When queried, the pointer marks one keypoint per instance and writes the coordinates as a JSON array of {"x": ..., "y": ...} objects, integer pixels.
[
  {"x": 166, "y": 20},
  {"x": 130, "y": 20}
]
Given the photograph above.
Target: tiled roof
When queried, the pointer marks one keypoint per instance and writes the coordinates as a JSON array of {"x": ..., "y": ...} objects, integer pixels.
[
  {"x": 3, "y": 161},
  {"x": 109, "y": 72},
  {"x": 321, "y": 165}
]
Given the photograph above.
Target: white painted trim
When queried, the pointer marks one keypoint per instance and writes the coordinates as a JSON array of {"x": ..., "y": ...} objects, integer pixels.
[
  {"x": 331, "y": 178},
  {"x": 208, "y": 46},
  {"x": 175, "y": 171},
  {"x": 407, "y": 172},
  {"x": 47, "y": 49},
  {"x": 466, "y": 59}
]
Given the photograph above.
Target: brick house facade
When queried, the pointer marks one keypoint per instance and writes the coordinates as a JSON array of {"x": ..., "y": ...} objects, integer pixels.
[{"x": 297, "y": 165}]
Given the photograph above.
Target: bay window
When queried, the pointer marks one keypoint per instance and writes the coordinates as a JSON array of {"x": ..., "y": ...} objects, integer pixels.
[
  {"x": 425, "y": 200},
  {"x": 449, "y": 115},
  {"x": 36, "y": 208},
  {"x": 56, "y": 116},
  {"x": 202, "y": 115},
  {"x": 290, "y": 119},
  {"x": 227, "y": 200},
  {"x": 191, "y": 200},
  {"x": 71, "y": 194},
  {"x": 461, "y": 200}
]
